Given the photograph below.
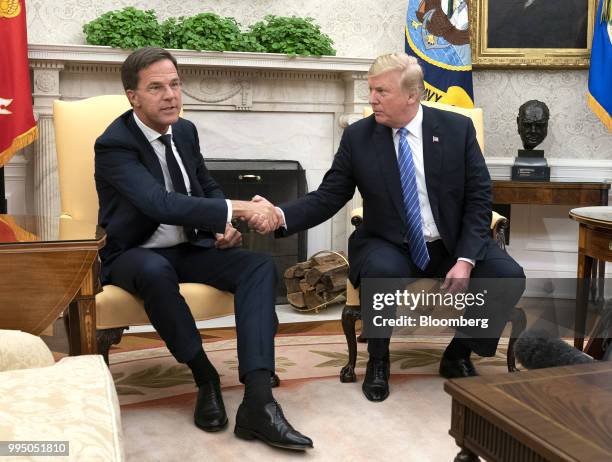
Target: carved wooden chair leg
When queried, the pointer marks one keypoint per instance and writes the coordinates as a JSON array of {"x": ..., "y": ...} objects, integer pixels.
[
  {"x": 465, "y": 455},
  {"x": 106, "y": 338},
  {"x": 350, "y": 314},
  {"x": 519, "y": 323}
]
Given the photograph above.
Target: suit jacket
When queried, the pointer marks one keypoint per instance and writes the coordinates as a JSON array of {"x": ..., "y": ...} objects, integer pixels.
[
  {"x": 133, "y": 200},
  {"x": 457, "y": 179}
]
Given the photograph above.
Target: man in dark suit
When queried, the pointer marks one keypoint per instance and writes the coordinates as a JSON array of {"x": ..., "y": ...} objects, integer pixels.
[
  {"x": 426, "y": 210},
  {"x": 167, "y": 222}
]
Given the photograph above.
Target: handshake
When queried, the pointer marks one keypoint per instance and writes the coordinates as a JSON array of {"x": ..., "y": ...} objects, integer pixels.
[{"x": 260, "y": 214}]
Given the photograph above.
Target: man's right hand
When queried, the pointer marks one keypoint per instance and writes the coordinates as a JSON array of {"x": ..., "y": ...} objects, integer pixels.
[
  {"x": 260, "y": 214},
  {"x": 258, "y": 222}
]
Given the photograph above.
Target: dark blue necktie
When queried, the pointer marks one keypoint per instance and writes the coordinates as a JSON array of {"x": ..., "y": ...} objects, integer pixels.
[{"x": 416, "y": 240}]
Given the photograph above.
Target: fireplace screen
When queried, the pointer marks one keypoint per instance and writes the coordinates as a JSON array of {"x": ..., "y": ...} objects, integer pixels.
[{"x": 277, "y": 181}]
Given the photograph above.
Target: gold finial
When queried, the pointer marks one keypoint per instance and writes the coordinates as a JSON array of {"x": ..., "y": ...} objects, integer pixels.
[{"x": 10, "y": 8}]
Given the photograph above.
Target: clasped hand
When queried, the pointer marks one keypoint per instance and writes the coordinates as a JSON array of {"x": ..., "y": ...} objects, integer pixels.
[{"x": 264, "y": 217}]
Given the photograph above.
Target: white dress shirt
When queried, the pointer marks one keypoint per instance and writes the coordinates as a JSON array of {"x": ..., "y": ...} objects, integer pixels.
[{"x": 167, "y": 235}]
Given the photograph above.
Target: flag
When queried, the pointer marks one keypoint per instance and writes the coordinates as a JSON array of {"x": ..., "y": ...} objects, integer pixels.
[
  {"x": 17, "y": 126},
  {"x": 437, "y": 34},
  {"x": 599, "y": 96}
]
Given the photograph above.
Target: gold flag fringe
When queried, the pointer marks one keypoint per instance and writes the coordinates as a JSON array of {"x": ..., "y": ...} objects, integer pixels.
[
  {"x": 599, "y": 111},
  {"x": 18, "y": 143}
]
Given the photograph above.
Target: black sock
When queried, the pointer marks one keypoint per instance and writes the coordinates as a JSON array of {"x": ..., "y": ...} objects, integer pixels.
[
  {"x": 257, "y": 388},
  {"x": 457, "y": 349},
  {"x": 202, "y": 369},
  {"x": 378, "y": 348}
]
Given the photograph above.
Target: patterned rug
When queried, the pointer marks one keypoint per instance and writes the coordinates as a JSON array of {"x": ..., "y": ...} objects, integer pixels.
[
  {"x": 152, "y": 374},
  {"x": 157, "y": 398}
]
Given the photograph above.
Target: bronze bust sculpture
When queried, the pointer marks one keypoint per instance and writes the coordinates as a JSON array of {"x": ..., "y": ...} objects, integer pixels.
[{"x": 532, "y": 123}]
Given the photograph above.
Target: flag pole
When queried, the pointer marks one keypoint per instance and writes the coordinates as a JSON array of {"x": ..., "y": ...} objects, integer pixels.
[{"x": 3, "y": 208}]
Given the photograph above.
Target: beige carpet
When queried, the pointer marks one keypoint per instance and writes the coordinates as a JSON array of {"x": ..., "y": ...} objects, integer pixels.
[{"x": 158, "y": 396}]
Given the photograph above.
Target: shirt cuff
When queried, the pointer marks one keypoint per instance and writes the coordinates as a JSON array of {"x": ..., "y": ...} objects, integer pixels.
[
  {"x": 229, "y": 210},
  {"x": 469, "y": 260},
  {"x": 284, "y": 223}
]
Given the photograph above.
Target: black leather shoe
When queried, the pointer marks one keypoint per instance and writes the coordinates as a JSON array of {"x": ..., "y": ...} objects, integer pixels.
[
  {"x": 209, "y": 412},
  {"x": 269, "y": 425},
  {"x": 376, "y": 383},
  {"x": 455, "y": 368}
]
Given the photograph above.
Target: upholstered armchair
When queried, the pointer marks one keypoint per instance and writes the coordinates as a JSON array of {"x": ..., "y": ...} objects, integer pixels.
[
  {"x": 352, "y": 310},
  {"x": 77, "y": 125}
]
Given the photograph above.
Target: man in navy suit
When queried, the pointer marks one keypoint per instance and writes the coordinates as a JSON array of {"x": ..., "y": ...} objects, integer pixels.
[
  {"x": 426, "y": 210},
  {"x": 167, "y": 222}
]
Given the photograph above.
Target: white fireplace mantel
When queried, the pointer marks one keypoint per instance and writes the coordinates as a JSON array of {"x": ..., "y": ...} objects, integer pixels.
[
  {"x": 232, "y": 59},
  {"x": 245, "y": 105}
]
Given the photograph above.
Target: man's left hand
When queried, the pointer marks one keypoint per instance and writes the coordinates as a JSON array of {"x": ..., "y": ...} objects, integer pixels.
[
  {"x": 231, "y": 238},
  {"x": 458, "y": 278}
]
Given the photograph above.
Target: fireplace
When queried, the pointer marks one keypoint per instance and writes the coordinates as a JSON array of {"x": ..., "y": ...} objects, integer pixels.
[{"x": 277, "y": 181}]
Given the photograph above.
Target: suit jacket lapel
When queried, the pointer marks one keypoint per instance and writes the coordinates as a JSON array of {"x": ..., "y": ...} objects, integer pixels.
[
  {"x": 149, "y": 158},
  {"x": 383, "y": 142},
  {"x": 432, "y": 159}
]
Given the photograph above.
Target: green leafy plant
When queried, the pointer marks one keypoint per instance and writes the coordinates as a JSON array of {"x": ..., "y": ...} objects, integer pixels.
[
  {"x": 133, "y": 28},
  {"x": 291, "y": 35},
  {"x": 208, "y": 31},
  {"x": 126, "y": 28}
]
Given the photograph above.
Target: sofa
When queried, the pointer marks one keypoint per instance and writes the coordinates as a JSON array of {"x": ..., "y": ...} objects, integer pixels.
[{"x": 71, "y": 400}]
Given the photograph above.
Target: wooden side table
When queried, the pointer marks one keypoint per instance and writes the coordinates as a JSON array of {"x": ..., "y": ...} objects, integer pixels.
[
  {"x": 594, "y": 243},
  {"x": 48, "y": 264},
  {"x": 559, "y": 414}
]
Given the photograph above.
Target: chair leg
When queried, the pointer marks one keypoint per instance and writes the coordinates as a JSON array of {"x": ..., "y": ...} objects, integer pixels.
[
  {"x": 106, "y": 338},
  {"x": 350, "y": 314},
  {"x": 519, "y": 323}
]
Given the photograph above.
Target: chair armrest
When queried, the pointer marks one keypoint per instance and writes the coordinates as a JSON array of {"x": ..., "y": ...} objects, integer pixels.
[
  {"x": 499, "y": 223},
  {"x": 357, "y": 216}
]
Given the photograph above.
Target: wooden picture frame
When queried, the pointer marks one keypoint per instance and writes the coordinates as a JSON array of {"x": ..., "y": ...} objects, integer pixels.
[{"x": 531, "y": 33}]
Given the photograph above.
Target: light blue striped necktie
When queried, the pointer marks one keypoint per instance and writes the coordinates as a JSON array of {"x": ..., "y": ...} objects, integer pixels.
[{"x": 416, "y": 240}]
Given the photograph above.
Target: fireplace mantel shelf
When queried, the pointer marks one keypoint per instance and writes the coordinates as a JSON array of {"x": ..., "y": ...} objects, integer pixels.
[{"x": 239, "y": 60}]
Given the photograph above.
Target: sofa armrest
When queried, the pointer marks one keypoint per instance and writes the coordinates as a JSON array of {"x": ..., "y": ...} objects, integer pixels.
[
  {"x": 20, "y": 350},
  {"x": 74, "y": 400}
]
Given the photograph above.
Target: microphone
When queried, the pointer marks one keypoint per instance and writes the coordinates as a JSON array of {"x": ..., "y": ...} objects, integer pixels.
[{"x": 536, "y": 349}]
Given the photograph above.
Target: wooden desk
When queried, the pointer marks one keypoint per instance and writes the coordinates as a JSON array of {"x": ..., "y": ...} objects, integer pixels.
[
  {"x": 507, "y": 192},
  {"x": 594, "y": 243},
  {"x": 555, "y": 414},
  {"x": 48, "y": 264},
  {"x": 550, "y": 193}
]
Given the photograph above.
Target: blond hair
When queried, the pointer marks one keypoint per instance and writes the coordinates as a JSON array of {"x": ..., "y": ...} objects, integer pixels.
[{"x": 411, "y": 72}]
